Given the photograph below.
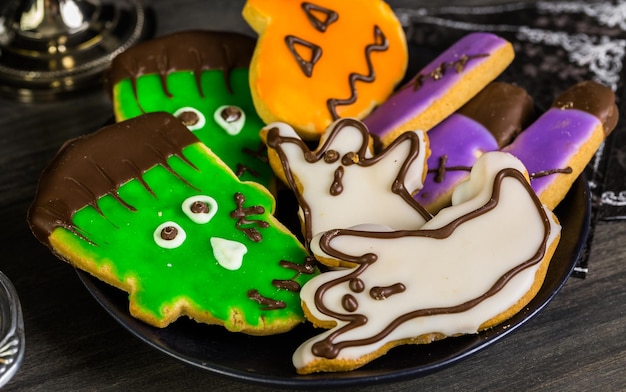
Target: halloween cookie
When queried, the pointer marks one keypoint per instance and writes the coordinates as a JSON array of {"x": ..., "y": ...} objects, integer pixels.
[
  {"x": 342, "y": 184},
  {"x": 145, "y": 206},
  {"x": 321, "y": 60},
  {"x": 488, "y": 122},
  {"x": 200, "y": 77},
  {"x": 470, "y": 267},
  {"x": 442, "y": 87},
  {"x": 558, "y": 146}
]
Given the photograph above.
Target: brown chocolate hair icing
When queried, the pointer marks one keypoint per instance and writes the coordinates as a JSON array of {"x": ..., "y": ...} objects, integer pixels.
[
  {"x": 91, "y": 166},
  {"x": 329, "y": 349},
  {"x": 503, "y": 109},
  {"x": 195, "y": 50},
  {"x": 593, "y": 98}
]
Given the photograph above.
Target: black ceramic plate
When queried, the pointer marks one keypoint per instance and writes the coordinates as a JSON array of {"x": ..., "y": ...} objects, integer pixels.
[{"x": 267, "y": 360}]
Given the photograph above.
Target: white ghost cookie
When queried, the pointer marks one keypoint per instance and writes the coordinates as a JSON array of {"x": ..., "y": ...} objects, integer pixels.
[
  {"x": 342, "y": 184},
  {"x": 470, "y": 267}
]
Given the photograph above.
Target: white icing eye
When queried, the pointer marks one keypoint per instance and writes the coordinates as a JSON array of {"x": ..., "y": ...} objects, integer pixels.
[
  {"x": 169, "y": 235},
  {"x": 190, "y": 117},
  {"x": 230, "y": 118},
  {"x": 200, "y": 209},
  {"x": 229, "y": 254}
]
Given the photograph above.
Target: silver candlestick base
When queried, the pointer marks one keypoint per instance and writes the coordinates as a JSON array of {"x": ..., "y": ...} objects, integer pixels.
[{"x": 54, "y": 48}]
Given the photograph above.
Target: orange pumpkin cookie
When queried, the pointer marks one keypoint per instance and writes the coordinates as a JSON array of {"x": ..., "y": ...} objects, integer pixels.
[{"x": 316, "y": 62}]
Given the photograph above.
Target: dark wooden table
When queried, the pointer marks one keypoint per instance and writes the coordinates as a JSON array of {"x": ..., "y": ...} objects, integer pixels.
[{"x": 577, "y": 342}]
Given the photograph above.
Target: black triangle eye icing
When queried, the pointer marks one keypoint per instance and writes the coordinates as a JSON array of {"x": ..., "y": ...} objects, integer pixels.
[{"x": 319, "y": 16}]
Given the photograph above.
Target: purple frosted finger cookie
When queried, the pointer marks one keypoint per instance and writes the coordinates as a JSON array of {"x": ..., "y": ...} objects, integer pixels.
[
  {"x": 486, "y": 123},
  {"x": 442, "y": 87},
  {"x": 557, "y": 147}
]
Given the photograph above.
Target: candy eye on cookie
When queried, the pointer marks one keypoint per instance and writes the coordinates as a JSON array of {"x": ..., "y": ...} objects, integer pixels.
[
  {"x": 231, "y": 118},
  {"x": 200, "y": 209},
  {"x": 169, "y": 235},
  {"x": 192, "y": 118}
]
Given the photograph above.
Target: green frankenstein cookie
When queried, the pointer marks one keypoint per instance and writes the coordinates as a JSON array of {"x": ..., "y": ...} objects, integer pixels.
[
  {"x": 200, "y": 77},
  {"x": 145, "y": 206}
]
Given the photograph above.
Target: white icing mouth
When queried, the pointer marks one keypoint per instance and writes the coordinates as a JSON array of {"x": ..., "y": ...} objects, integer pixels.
[{"x": 229, "y": 254}]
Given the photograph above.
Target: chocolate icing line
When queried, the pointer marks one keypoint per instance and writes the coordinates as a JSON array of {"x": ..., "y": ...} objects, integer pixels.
[
  {"x": 305, "y": 65},
  {"x": 441, "y": 170},
  {"x": 380, "y": 293},
  {"x": 439, "y": 72},
  {"x": 380, "y": 44},
  {"x": 337, "y": 186},
  {"x": 241, "y": 169},
  {"x": 274, "y": 141},
  {"x": 328, "y": 349},
  {"x": 268, "y": 303},
  {"x": 319, "y": 25},
  {"x": 241, "y": 214},
  {"x": 544, "y": 173},
  {"x": 307, "y": 268}
]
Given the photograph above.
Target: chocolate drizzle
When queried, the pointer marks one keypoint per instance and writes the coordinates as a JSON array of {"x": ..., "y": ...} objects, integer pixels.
[
  {"x": 194, "y": 51},
  {"x": 307, "y": 268},
  {"x": 380, "y": 44},
  {"x": 241, "y": 214},
  {"x": 441, "y": 170},
  {"x": 312, "y": 10},
  {"x": 268, "y": 303},
  {"x": 275, "y": 140},
  {"x": 439, "y": 72},
  {"x": 241, "y": 169},
  {"x": 328, "y": 348},
  {"x": 95, "y": 165},
  {"x": 544, "y": 173},
  {"x": 306, "y": 65},
  {"x": 337, "y": 186},
  {"x": 380, "y": 293},
  {"x": 292, "y": 285}
]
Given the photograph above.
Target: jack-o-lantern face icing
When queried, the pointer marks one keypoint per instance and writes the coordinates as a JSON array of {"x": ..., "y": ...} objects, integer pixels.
[
  {"x": 472, "y": 266},
  {"x": 143, "y": 205},
  {"x": 321, "y": 60},
  {"x": 200, "y": 77}
]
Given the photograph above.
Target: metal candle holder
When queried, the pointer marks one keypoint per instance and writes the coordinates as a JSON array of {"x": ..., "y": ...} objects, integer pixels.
[{"x": 53, "y": 48}]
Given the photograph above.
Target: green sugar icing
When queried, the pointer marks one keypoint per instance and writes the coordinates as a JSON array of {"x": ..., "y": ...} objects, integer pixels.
[
  {"x": 120, "y": 239},
  {"x": 183, "y": 87}
]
